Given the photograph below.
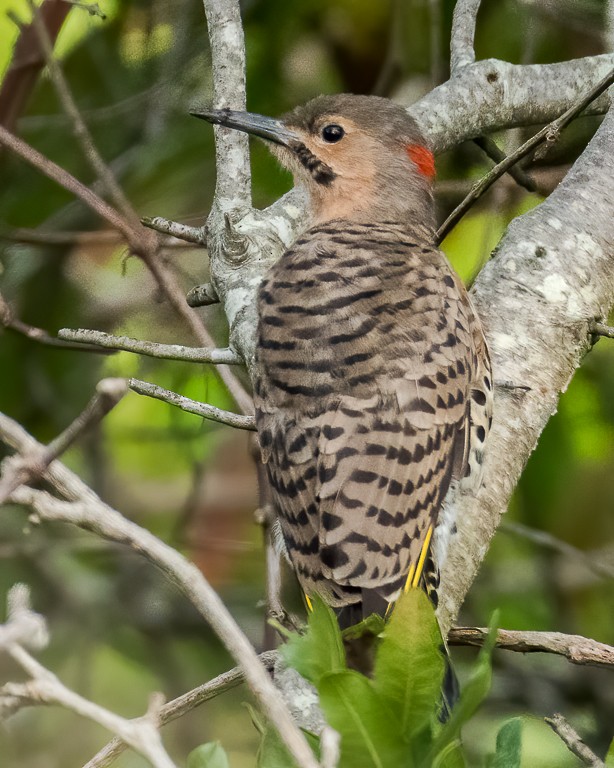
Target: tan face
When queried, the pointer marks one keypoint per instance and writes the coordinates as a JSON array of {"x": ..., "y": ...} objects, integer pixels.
[{"x": 347, "y": 170}]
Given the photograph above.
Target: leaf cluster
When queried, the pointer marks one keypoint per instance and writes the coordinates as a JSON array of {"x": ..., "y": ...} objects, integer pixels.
[{"x": 395, "y": 718}]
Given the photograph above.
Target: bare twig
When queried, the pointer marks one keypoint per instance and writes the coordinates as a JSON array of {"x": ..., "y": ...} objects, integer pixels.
[
  {"x": 489, "y": 147},
  {"x": 25, "y": 467},
  {"x": 600, "y": 329},
  {"x": 549, "y": 133},
  {"x": 69, "y": 182},
  {"x": 182, "y": 704},
  {"x": 575, "y": 648},
  {"x": 100, "y": 237},
  {"x": 545, "y": 539},
  {"x": 90, "y": 513},
  {"x": 150, "y": 348},
  {"x": 463, "y": 34},
  {"x": 12, "y": 323},
  {"x": 28, "y": 61},
  {"x": 196, "y": 235},
  {"x": 80, "y": 130},
  {"x": 573, "y": 742},
  {"x": 192, "y": 406},
  {"x": 45, "y": 688},
  {"x": 144, "y": 245}
]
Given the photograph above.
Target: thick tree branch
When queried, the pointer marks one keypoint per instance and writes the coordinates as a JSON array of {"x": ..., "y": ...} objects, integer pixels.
[
  {"x": 491, "y": 95},
  {"x": 549, "y": 134},
  {"x": 552, "y": 273},
  {"x": 233, "y": 184}
]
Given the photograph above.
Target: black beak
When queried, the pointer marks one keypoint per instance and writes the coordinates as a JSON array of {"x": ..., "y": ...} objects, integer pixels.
[{"x": 258, "y": 125}]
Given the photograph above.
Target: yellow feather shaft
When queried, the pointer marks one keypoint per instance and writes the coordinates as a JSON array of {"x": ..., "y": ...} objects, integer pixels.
[{"x": 422, "y": 558}]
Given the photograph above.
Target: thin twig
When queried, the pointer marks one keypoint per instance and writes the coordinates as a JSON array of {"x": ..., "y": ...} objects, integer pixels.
[
  {"x": 69, "y": 182},
  {"x": 80, "y": 130},
  {"x": 12, "y": 323},
  {"x": 45, "y": 688},
  {"x": 183, "y": 704},
  {"x": 150, "y": 348},
  {"x": 573, "y": 742},
  {"x": 236, "y": 420},
  {"x": 196, "y": 235},
  {"x": 575, "y": 648},
  {"x": 490, "y": 148},
  {"x": 545, "y": 539},
  {"x": 100, "y": 237},
  {"x": 549, "y": 133},
  {"x": 28, "y": 61},
  {"x": 463, "y": 34},
  {"x": 90, "y": 513},
  {"x": 25, "y": 467}
]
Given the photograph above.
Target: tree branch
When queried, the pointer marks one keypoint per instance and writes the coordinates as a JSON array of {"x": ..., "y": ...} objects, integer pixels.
[
  {"x": 233, "y": 183},
  {"x": 550, "y": 133},
  {"x": 551, "y": 275},
  {"x": 150, "y": 348},
  {"x": 45, "y": 688},
  {"x": 600, "y": 329},
  {"x": 183, "y": 704},
  {"x": 192, "y": 406},
  {"x": 86, "y": 510},
  {"x": 573, "y": 742},
  {"x": 544, "y": 539},
  {"x": 30, "y": 465},
  {"x": 463, "y": 33},
  {"x": 189, "y": 234},
  {"x": 575, "y": 648},
  {"x": 28, "y": 61}
]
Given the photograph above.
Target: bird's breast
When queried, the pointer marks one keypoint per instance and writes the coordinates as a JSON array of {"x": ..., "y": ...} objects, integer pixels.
[{"x": 344, "y": 307}]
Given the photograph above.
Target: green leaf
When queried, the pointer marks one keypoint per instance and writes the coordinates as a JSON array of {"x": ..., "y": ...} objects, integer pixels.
[
  {"x": 451, "y": 756},
  {"x": 609, "y": 758},
  {"x": 273, "y": 753},
  {"x": 320, "y": 649},
  {"x": 209, "y": 755},
  {"x": 472, "y": 695},
  {"x": 370, "y": 733},
  {"x": 509, "y": 745},
  {"x": 409, "y": 665}
]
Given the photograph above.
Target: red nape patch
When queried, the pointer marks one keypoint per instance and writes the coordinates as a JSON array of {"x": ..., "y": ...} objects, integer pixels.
[{"x": 423, "y": 158}]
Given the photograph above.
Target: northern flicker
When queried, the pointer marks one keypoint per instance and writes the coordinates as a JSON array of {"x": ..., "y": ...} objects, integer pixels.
[{"x": 374, "y": 390}]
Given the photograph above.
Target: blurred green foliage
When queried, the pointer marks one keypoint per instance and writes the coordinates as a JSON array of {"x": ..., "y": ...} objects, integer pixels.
[{"x": 119, "y": 630}]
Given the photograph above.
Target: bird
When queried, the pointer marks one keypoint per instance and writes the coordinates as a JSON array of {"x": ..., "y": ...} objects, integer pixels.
[{"x": 373, "y": 387}]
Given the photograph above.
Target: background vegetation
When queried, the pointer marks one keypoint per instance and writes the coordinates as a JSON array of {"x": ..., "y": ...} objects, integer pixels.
[{"x": 119, "y": 630}]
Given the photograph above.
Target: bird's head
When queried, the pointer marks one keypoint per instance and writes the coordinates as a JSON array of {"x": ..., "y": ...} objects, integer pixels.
[{"x": 360, "y": 157}]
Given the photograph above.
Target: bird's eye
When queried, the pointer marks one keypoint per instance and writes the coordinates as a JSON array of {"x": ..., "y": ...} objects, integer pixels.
[{"x": 332, "y": 133}]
